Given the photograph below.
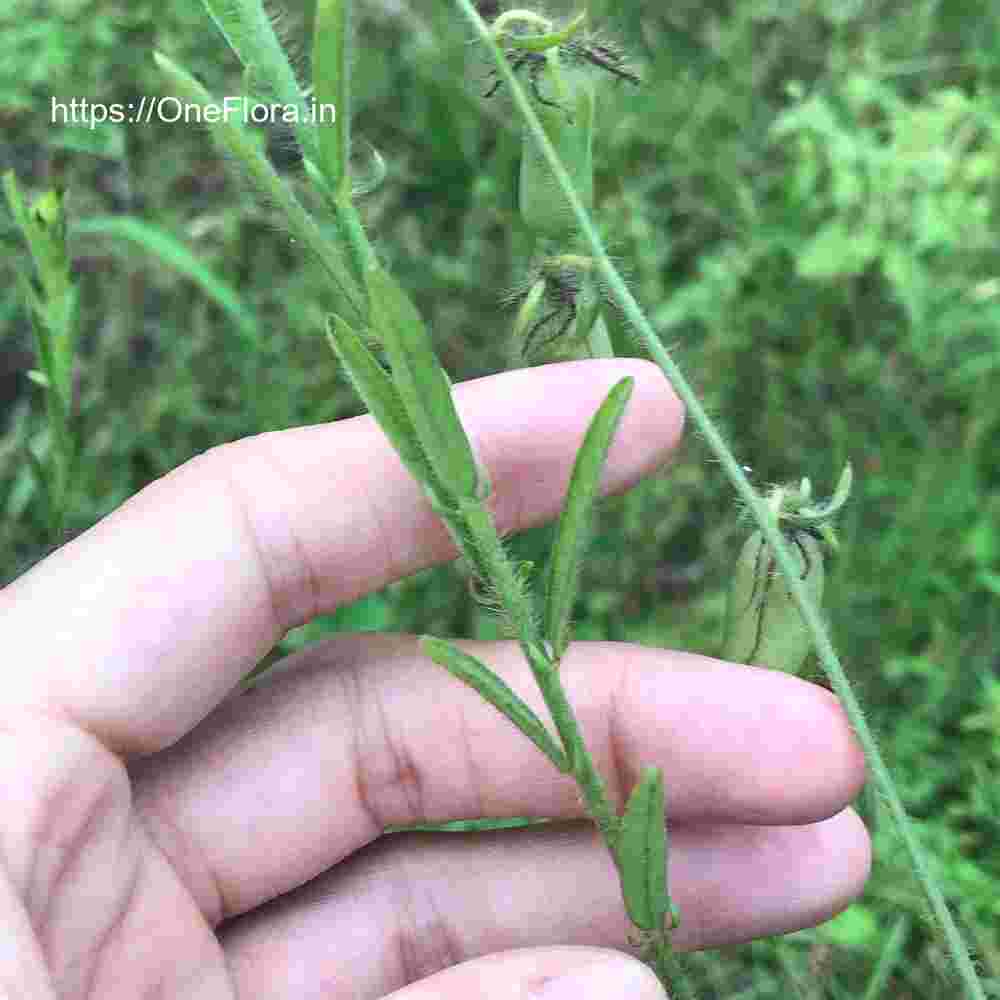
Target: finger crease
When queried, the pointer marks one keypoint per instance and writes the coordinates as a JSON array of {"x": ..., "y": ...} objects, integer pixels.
[
  {"x": 381, "y": 767},
  {"x": 425, "y": 941}
]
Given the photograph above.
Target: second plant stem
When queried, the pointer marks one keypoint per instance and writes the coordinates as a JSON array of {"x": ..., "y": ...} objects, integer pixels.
[{"x": 768, "y": 524}]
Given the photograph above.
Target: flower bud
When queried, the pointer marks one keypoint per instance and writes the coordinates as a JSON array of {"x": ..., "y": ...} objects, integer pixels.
[
  {"x": 764, "y": 625},
  {"x": 569, "y": 125}
]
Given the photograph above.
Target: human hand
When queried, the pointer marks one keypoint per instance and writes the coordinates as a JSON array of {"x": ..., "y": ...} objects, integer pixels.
[{"x": 162, "y": 834}]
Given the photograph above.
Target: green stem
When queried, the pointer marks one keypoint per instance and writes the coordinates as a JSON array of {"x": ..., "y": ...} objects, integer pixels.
[
  {"x": 535, "y": 43},
  {"x": 670, "y": 970},
  {"x": 332, "y": 85},
  {"x": 492, "y": 558},
  {"x": 58, "y": 410},
  {"x": 587, "y": 776},
  {"x": 768, "y": 525},
  {"x": 240, "y": 144},
  {"x": 473, "y": 524},
  {"x": 352, "y": 232},
  {"x": 502, "y": 24}
]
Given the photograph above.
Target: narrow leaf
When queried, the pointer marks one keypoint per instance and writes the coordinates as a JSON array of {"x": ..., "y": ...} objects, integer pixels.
[
  {"x": 40, "y": 477},
  {"x": 331, "y": 86},
  {"x": 423, "y": 386},
  {"x": 574, "y": 522},
  {"x": 471, "y": 825},
  {"x": 39, "y": 330},
  {"x": 476, "y": 674},
  {"x": 174, "y": 254},
  {"x": 642, "y": 852},
  {"x": 251, "y": 36},
  {"x": 379, "y": 394},
  {"x": 15, "y": 199}
]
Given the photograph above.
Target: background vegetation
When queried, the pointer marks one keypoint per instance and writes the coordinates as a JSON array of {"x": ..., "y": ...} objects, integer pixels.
[{"x": 806, "y": 194}]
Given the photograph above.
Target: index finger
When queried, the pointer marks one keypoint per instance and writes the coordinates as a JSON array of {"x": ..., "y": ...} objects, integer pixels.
[{"x": 137, "y": 629}]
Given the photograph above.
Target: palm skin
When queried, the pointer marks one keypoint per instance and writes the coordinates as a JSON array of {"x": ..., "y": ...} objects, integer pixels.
[{"x": 164, "y": 835}]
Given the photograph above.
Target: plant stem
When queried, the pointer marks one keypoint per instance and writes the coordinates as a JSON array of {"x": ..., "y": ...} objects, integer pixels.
[
  {"x": 476, "y": 526},
  {"x": 239, "y": 143},
  {"x": 491, "y": 557},
  {"x": 768, "y": 524},
  {"x": 360, "y": 251},
  {"x": 53, "y": 315},
  {"x": 332, "y": 85},
  {"x": 670, "y": 970},
  {"x": 587, "y": 776}
]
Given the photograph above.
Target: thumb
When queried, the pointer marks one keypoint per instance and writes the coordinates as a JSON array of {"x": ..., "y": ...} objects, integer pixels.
[{"x": 563, "y": 973}]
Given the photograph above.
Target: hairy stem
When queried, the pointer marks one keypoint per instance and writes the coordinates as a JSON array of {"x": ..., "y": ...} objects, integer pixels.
[
  {"x": 767, "y": 523},
  {"x": 240, "y": 144},
  {"x": 473, "y": 524}
]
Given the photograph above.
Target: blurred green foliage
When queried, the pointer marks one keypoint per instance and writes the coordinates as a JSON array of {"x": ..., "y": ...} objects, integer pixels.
[{"x": 805, "y": 196}]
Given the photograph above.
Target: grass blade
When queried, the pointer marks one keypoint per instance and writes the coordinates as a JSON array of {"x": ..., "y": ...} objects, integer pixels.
[
  {"x": 175, "y": 255},
  {"x": 476, "y": 674},
  {"x": 574, "y": 522}
]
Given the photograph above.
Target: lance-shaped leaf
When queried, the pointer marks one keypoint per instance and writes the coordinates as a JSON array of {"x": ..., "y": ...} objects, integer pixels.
[
  {"x": 423, "y": 387},
  {"x": 331, "y": 86},
  {"x": 379, "y": 394},
  {"x": 39, "y": 475},
  {"x": 251, "y": 36},
  {"x": 574, "y": 522},
  {"x": 642, "y": 853},
  {"x": 476, "y": 674}
]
